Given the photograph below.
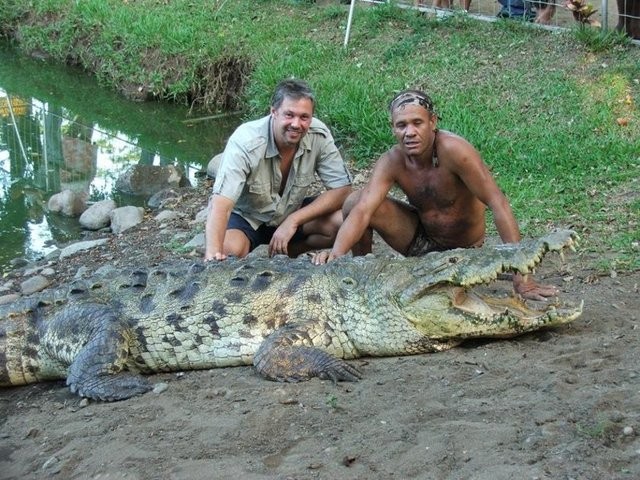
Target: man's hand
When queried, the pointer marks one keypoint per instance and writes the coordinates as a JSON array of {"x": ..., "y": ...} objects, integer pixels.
[
  {"x": 280, "y": 241},
  {"x": 528, "y": 288},
  {"x": 218, "y": 256},
  {"x": 321, "y": 257}
]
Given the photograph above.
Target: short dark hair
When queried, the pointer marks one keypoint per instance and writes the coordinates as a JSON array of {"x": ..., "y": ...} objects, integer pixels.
[{"x": 294, "y": 89}]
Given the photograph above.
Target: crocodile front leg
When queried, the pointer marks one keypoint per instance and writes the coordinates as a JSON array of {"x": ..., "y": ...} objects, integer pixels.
[{"x": 293, "y": 354}]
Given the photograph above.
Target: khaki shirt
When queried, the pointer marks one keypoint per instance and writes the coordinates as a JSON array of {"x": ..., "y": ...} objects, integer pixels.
[{"x": 249, "y": 172}]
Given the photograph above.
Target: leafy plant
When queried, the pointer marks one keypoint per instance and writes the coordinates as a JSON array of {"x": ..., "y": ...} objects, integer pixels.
[{"x": 582, "y": 12}]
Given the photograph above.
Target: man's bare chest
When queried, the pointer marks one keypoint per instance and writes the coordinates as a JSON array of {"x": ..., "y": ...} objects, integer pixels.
[{"x": 428, "y": 189}]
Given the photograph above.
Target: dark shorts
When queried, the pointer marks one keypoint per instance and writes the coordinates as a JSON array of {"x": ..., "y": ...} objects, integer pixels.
[
  {"x": 264, "y": 233},
  {"x": 422, "y": 244}
]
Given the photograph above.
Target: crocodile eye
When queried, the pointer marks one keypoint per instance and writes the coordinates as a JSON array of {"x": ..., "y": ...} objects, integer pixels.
[
  {"x": 453, "y": 259},
  {"x": 349, "y": 282}
]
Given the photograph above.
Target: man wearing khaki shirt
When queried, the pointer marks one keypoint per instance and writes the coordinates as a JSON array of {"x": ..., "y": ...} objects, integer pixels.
[{"x": 266, "y": 171}]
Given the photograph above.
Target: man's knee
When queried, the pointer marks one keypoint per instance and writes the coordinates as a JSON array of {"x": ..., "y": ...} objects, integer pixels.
[
  {"x": 350, "y": 202},
  {"x": 328, "y": 227},
  {"x": 382, "y": 213},
  {"x": 236, "y": 243},
  {"x": 334, "y": 223}
]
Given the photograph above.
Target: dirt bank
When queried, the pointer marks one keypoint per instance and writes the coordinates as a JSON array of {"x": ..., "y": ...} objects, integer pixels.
[{"x": 560, "y": 404}]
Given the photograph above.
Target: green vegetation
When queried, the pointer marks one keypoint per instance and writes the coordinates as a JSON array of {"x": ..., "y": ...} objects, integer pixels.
[{"x": 555, "y": 115}]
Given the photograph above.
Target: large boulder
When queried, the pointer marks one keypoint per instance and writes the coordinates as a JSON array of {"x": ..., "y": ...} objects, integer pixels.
[
  {"x": 124, "y": 218},
  {"x": 98, "y": 215},
  {"x": 68, "y": 203},
  {"x": 145, "y": 180}
]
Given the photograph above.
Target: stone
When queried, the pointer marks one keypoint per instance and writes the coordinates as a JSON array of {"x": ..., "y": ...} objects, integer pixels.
[
  {"x": 34, "y": 284},
  {"x": 9, "y": 298},
  {"x": 158, "y": 199},
  {"x": 81, "y": 246},
  {"x": 97, "y": 216},
  {"x": 68, "y": 203},
  {"x": 195, "y": 242},
  {"x": 201, "y": 216},
  {"x": 166, "y": 215},
  {"x": 124, "y": 218},
  {"x": 146, "y": 180}
]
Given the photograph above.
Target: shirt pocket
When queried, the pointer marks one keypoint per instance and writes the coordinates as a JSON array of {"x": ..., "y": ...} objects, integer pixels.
[
  {"x": 300, "y": 188},
  {"x": 259, "y": 196}
]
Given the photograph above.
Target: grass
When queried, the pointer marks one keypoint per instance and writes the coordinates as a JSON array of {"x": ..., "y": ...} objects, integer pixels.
[{"x": 554, "y": 115}]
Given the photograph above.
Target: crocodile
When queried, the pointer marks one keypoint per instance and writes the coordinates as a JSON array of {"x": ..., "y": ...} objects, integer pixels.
[{"x": 290, "y": 319}]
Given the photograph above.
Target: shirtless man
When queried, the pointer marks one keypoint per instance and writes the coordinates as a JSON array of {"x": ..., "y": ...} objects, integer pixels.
[{"x": 448, "y": 187}]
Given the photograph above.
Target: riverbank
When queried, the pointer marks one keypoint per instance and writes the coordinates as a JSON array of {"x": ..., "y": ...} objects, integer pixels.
[{"x": 556, "y": 119}]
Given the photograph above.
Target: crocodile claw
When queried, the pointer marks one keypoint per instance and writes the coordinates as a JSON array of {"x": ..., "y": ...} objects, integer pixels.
[{"x": 299, "y": 363}]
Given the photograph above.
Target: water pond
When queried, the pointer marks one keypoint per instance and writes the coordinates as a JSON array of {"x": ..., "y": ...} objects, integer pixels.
[{"x": 60, "y": 130}]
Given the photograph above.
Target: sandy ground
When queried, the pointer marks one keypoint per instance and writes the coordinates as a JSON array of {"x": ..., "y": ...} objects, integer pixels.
[{"x": 557, "y": 404}]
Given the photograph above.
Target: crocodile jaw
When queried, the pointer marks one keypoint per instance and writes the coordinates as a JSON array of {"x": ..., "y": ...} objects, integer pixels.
[{"x": 452, "y": 312}]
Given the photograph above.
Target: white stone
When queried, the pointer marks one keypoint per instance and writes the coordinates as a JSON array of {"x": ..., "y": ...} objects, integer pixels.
[
  {"x": 124, "y": 218},
  {"x": 81, "y": 246},
  {"x": 98, "y": 215}
]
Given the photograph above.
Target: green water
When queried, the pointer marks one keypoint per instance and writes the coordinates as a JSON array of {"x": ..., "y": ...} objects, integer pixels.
[{"x": 59, "y": 129}]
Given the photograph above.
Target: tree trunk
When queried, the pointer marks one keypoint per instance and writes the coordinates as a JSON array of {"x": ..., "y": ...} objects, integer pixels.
[{"x": 626, "y": 10}]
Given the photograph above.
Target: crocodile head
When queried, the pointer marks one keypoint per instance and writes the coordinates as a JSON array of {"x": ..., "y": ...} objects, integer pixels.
[{"x": 445, "y": 296}]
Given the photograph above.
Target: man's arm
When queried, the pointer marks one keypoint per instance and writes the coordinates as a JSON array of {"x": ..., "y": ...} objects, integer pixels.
[
  {"x": 466, "y": 163},
  {"x": 476, "y": 176},
  {"x": 325, "y": 204},
  {"x": 371, "y": 197},
  {"x": 219, "y": 211}
]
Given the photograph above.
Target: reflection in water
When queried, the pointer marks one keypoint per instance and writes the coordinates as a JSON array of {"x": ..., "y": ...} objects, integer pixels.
[{"x": 81, "y": 138}]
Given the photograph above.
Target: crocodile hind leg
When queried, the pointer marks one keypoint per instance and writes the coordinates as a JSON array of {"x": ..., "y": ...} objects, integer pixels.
[
  {"x": 291, "y": 355},
  {"x": 98, "y": 369}
]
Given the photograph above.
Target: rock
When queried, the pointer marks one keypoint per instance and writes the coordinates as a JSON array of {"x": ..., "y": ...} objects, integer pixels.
[
  {"x": 146, "y": 180},
  {"x": 9, "y": 298},
  {"x": 34, "y": 284},
  {"x": 166, "y": 215},
  {"x": 54, "y": 255},
  {"x": 48, "y": 272},
  {"x": 31, "y": 271},
  {"x": 195, "y": 242},
  {"x": 157, "y": 199},
  {"x": 68, "y": 203},
  {"x": 214, "y": 165},
  {"x": 160, "y": 387},
  {"x": 97, "y": 216},
  {"x": 80, "y": 246},
  {"x": 201, "y": 216},
  {"x": 124, "y": 218},
  {"x": 19, "y": 262}
]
